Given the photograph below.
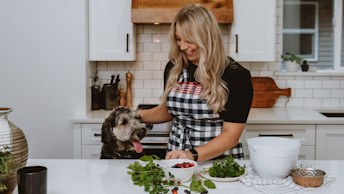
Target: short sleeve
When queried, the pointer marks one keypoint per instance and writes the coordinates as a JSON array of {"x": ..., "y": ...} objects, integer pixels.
[
  {"x": 240, "y": 96},
  {"x": 168, "y": 68}
]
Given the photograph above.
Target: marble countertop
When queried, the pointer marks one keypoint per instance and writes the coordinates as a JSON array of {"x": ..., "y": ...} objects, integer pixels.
[
  {"x": 276, "y": 115},
  {"x": 73, "y": 176}
]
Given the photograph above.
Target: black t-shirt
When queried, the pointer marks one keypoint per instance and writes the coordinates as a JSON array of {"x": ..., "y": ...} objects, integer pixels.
[{"x": 238, "y": 80}]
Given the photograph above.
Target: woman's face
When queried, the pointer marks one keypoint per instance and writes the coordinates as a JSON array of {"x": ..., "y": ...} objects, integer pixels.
[{"x": 190, "y": 48}]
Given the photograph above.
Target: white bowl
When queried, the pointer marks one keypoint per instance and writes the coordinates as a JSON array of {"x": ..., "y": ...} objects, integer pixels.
[
  {"x": 273, "y": 157},
  {"x": 180, "y": 174}
]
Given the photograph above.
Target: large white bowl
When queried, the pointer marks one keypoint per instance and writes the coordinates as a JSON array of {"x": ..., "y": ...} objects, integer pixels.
[
  {"x": 273, "y": 157},
  {"x": 180, "y": 174}
]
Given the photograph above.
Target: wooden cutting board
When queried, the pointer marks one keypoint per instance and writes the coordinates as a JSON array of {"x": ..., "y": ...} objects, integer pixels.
[{"x": 266, "y": 92}]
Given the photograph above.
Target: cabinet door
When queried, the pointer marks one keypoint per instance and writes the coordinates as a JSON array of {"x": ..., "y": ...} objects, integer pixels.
[
  {"x": 111, "y": 33},
  {"x": 253, "y": 30},
  {"x": 330, "y": 142}
]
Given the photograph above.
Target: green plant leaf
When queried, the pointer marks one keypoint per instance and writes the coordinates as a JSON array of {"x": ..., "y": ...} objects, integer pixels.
[{"x": 209, "y": 184}]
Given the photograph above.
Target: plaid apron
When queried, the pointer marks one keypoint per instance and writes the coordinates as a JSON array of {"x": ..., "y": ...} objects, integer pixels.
[{"x": 194, "y": 123}]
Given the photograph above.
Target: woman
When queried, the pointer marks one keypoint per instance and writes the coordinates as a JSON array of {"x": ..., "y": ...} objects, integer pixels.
[{"x": 207, "y": 94}]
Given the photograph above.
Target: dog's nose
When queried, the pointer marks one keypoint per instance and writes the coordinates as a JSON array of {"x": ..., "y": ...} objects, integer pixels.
[{"x": 142, "y": 133}]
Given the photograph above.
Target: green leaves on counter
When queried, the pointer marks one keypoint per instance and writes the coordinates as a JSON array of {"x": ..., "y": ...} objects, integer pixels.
[
  {"x": 147, "y": 158},
  {"x": 149, "y": 176},
  {"x": 226, "y": 167},
  {"x": 196, "y": 185}
]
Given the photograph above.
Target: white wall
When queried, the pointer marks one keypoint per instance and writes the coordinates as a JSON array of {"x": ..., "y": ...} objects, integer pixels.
[{"x": 43, "y": 70}]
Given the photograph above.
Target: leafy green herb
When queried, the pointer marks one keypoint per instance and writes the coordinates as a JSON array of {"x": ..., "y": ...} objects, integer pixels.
[
  {"x": 196, "y": 185},
  {"x": 6, "y": 165},
  {"x": 151, "y": 176},
  {"x": 226, "y": 167},
  {"x": 209, "y": 184},
  {"x": 147, "y": 158}
]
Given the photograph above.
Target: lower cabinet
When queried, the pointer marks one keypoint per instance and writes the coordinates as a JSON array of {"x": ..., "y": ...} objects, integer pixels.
[
  {"x": 330, "y": 142},
  {"x": 87, "y": 140},
  {"x": 304, "y": 133}
]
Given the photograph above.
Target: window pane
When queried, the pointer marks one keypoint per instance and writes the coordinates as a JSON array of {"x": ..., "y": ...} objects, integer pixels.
[
  {"x": 299, "y": 44},
  {"x": 299, "y": 16}
]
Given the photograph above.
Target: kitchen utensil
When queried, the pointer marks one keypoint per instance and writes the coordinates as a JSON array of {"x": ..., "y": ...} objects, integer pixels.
[
  {"x": 308, "y": 177},
  {"x": 111, "y": 93},
  {"x": 273, "y": 157},
  {"x": 266, "y": 92},
  {"x": 129, "y": 94},
  {"x": 32, "y": 180}
]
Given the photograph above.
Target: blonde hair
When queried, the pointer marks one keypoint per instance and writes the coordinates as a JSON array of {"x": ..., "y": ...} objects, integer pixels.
[{"x": 197, "y": 24}]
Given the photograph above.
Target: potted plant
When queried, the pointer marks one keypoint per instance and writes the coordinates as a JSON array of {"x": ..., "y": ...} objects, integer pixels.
[
  {"x": 292, "y": 62},
  {"x": 304, "y": 66},
  {"x": 7, "y": 181}
]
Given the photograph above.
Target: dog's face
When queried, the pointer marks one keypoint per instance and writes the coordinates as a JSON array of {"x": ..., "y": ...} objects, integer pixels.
[{"x": 123, "y": 129}]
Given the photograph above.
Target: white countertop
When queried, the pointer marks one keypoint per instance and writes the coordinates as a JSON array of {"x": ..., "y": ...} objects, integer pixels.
[
  {"x": 277, "y": 115},
  {"x": 76, "y": 176}
]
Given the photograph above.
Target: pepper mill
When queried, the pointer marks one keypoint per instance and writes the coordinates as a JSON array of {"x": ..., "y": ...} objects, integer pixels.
[
  {"x": 129, "y": 95},
  {"x": 121, "y": 99}
]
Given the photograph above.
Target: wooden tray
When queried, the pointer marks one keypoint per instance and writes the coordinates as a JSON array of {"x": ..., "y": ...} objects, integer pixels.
[{"x": 266, "y": 92}]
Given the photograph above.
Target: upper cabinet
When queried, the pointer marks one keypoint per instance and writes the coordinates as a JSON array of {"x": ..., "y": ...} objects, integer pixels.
[
  {"x": 111, "y": 32},
  {"x": 253, "y": 30}
]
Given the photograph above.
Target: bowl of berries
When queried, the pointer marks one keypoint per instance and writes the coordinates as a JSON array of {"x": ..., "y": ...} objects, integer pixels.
[{"x": 178, "y": 169}]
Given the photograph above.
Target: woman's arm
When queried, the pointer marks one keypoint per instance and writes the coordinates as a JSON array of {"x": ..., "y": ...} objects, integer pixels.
[
  {"x": 229, "y": 138},
  {"x": 155, "y": 115}
]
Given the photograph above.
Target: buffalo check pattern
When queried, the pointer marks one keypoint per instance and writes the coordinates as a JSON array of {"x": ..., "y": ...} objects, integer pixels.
[{"x": 194, "y": 123}]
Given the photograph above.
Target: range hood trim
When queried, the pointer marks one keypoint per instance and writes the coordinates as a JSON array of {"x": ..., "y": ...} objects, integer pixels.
[{"x": 149, "y": 15}]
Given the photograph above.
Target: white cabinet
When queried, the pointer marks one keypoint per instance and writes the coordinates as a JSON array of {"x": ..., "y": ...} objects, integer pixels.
[
  {"x": 87, "y": 140},
  {"x": 111, "y": 33},
  {"x": 330, "y": 142},
  {"x": 304, "y": 133},
  {"x": 253, "y": 30}
]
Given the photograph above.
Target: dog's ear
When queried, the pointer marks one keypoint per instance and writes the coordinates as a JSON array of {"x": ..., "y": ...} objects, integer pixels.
[{"x": 106, "y": 127}]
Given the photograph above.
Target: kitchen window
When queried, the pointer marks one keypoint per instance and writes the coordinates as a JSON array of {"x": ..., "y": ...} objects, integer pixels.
[{"x": 313, "y": 29}]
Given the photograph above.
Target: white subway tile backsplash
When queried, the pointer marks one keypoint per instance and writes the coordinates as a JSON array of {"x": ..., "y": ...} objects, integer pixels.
[
  {"x": 157, "y": 92},
  {"x": 152, "y": 84},
  {"x": 341, "y": 103},
  {"x": 321, "y": 93},
  {"x": 330, "y": 102},
  {"x": 295, "y": 84},
  {"x": 137, "y": 101},
  {"x": 331, "y": 84},
  {"x": 295, "y": 102},
  {"x": 165, "y": 47},
  {"x": 160, "y": 38},
  {"x": 159, "y": 56},
  {"x": 337, "y": 93},
  {"x": 101, "y": 65},
  {"x": 158, "y": 75},
  {"x": 134, "y": 65},
  {"x": 141, "y": 38},
  {"x": 151, "y": 47},
  {"x": 303, "y": 93},
  {"x": 274, "y": 66},
  {"x": 151, "y": 100},
  {"x": 151, "y": 29},
  {"x": 143, "y": 75},
  {"x": 149, "y": 65},
  {"x": 266, "y": 73},
  {"x": 139, "y": 47},
  {"x": 144, "y": 56},
  {"x": 259, "y": 66},
  {"x": 312, "y": 102},
  {"x": 281, "y": 83},
  {"x": 342, "y": 84},
  {"x": 116, "y": 65},
  {"x": 143, "y": 93},
  {"x": 136, "y": 83},
  {"x": 313, "y": 84},
  {"x": 165, "y": 28}
]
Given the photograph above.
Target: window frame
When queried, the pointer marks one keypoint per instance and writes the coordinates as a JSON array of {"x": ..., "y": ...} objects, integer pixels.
[
  {"x": 300, "y": 31},
  {"x": 338, "y": 18}
]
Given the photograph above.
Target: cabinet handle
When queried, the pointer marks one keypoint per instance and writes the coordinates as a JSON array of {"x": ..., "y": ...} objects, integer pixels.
[
  {"x": 127, "y": 42},
  {"x": 97, "y": 134},
  {"x": 275, "y": 135},
  {"x": 236, "y": 43}
]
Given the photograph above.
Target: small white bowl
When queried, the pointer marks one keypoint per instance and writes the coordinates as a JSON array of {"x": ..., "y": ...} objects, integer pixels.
[{"x": 180, "y": 174}]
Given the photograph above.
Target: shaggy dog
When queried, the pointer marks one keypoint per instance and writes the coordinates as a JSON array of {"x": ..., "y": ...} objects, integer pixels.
[{"x": 121, "y": 134}]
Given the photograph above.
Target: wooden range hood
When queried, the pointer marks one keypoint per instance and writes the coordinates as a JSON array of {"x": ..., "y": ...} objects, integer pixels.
[{"x": 163, "y": 11}]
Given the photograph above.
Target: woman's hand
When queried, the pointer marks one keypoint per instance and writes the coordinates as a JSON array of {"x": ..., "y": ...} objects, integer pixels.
[{"x": 179, "y": 154}]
